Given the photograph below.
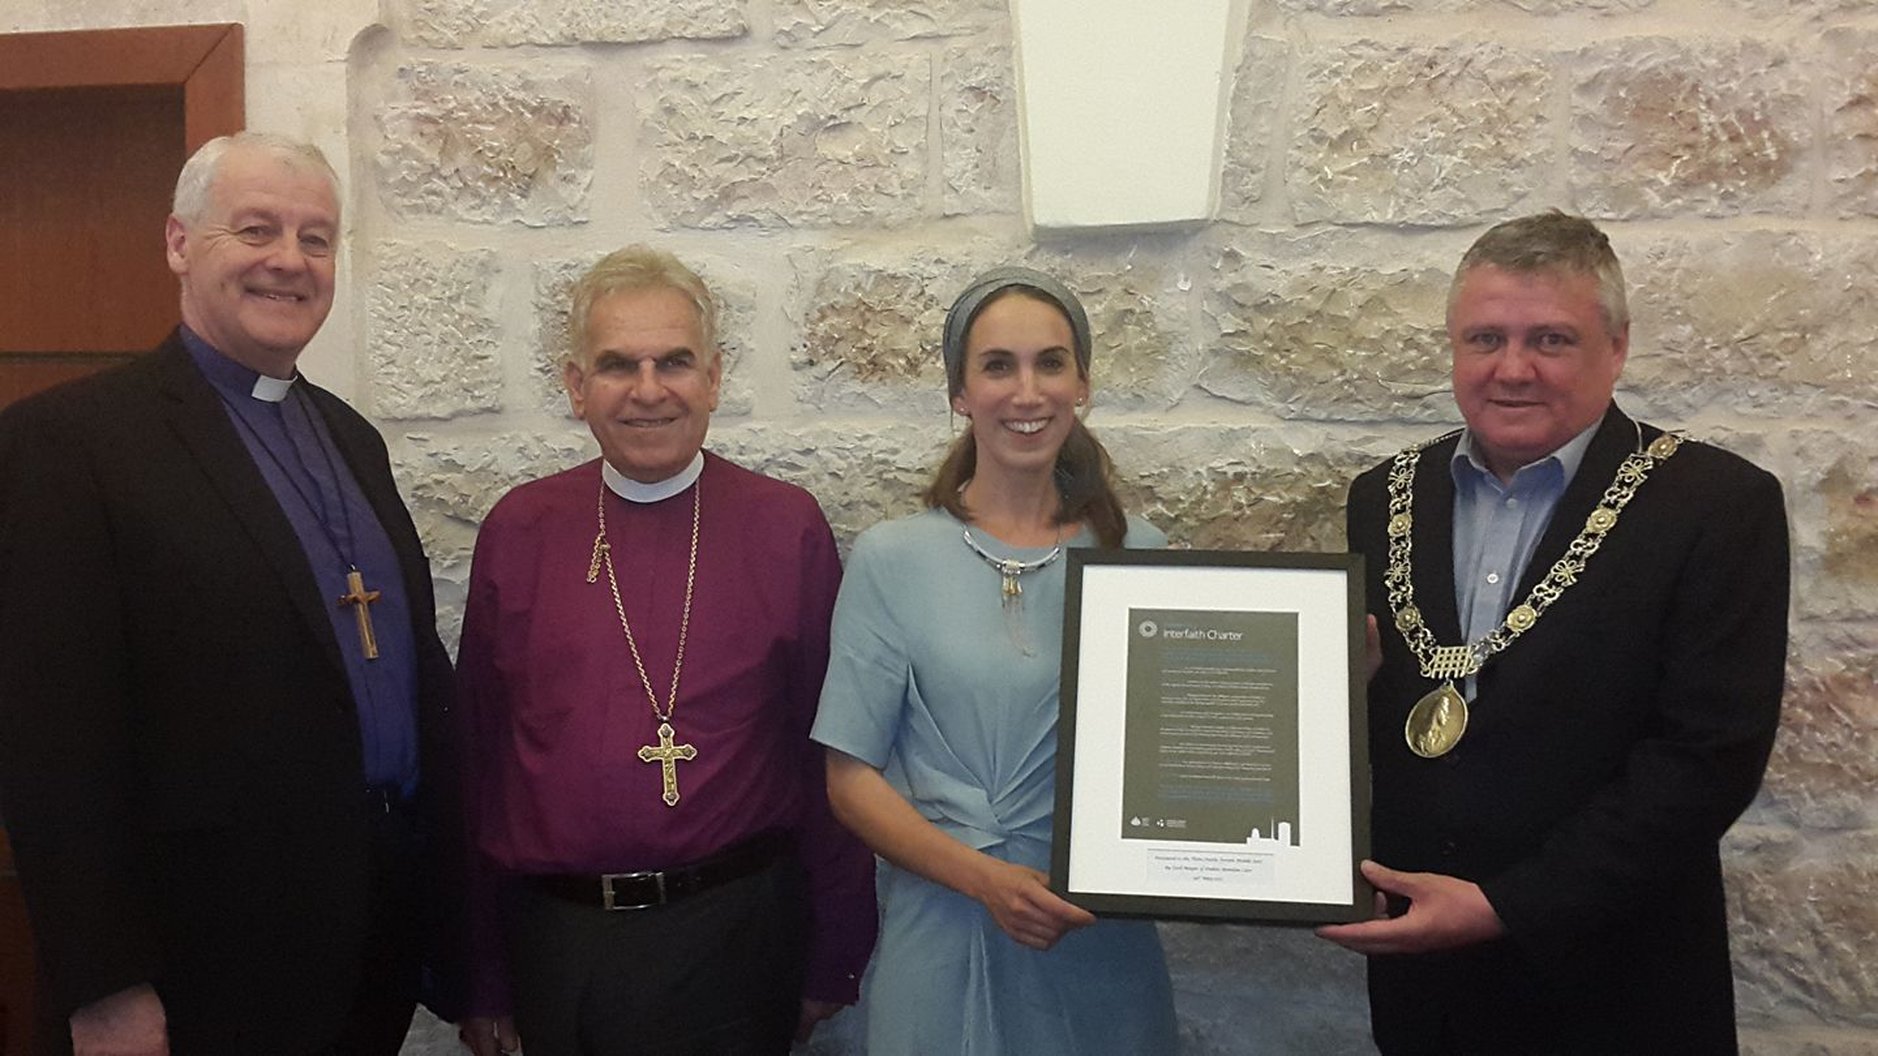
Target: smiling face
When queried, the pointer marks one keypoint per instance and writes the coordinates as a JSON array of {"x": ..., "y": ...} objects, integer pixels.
[
  {"x": 1021, "y": 383},
  {"x": 256, "y": 268},
  {"x": 645, "y": 382},
  {"x": 1535, "y": 361}
]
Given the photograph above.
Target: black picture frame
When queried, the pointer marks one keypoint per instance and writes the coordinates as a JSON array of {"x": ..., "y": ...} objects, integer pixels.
[{"x": 1212, "y": 740}]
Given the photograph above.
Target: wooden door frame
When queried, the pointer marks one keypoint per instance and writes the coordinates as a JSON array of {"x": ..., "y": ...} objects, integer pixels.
[{"x": 207, "y": 62}]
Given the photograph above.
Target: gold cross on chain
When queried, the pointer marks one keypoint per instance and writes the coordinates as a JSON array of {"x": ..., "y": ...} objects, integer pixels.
[{"x": 667, "y": 756}]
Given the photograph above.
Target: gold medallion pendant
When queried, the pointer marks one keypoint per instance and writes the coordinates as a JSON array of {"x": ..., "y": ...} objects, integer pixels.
[{"x": 1436, "y": 722}]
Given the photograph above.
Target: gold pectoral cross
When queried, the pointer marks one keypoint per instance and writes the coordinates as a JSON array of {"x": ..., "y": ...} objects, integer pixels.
[
  {"x": 361, "y": 599},
  {"x": 667, "y": 756}
]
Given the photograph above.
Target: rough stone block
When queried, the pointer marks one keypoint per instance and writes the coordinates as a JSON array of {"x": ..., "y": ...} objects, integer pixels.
[
  {"x": 1373, "y": 8},
  {"x": 1824, "y": 771},
  {"x": 465, "y": 476},
  {"x": 457, "y": 478},
  {"x": 474, "y": 23},
  {"x": 438, "y": 23},
  {"x": 1140, "y": 356},
  {"x": 822, "y": 23},
  {"x": 1805, "y": 1039},
  {"x": 1852, "y": 120},
  {"x": 610, "y": 22},
  {"x": 487, "y": 144},
  {"x": 871, "y": 331},
  {"x": 1666, "y": 127},
  {"x": 812, "y": 141},
  {"x": 978, "y": 132},
  {"x": 1740, "y": 322},
  {"x": 451, "y": 481},
  {"x": 1414, "y": 133},
  {"x": 433, "y": 339},
  {"x": 551, "y": 297},
  {"x": 1324, "y": 335},
  {"x": 1849, "y": 318},
  {"x": 861, "y": 474},
  {"x": 1812, "y": 11},
  {"x": 1235, "y": 487},
  {"x": 1803, "y": 920},
  {"x": 1832, "y": 491},
  {"x": 1252, "y": 126}
]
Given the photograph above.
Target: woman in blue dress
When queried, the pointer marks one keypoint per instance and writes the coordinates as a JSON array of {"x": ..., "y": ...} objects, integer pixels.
[{"x": 939, "y": 711}]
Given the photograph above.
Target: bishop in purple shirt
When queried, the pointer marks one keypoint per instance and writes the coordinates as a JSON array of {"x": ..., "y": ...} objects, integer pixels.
[{"x": 643, "y": 648}]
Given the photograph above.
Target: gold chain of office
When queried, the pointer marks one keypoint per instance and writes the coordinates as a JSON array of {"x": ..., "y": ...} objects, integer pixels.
[{"x": 1438, "y": 720}]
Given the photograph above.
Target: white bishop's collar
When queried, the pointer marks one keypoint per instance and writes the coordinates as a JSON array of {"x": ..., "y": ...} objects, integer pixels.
[
  {"x": 273, "y": 390},
  {"x": 635, "y": 491}
]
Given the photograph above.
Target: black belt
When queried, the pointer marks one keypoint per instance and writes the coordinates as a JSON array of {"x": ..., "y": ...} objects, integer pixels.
[{"x": 659, "y": 887}]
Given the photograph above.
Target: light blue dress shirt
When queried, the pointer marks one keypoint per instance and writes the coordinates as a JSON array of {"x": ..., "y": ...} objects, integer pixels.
[{"x": 1497, "y": 527}]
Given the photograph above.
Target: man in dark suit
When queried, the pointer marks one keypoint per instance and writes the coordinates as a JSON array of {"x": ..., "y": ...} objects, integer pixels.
[
  {"x": 222, "y": 696},
  {"x": 1584, "y": 634}
]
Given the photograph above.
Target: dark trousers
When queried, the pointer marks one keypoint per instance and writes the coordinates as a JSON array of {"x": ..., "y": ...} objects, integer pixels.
[
  {"x": 716, "y": 974},
  {"x": 392, "y": 966},
  {"x": 386, "y": 997}
]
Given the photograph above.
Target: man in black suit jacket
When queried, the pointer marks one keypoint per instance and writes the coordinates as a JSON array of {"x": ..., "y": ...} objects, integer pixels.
[
  {"x": 222, "y": 696},
  {"x": 1584, "y": 624}
]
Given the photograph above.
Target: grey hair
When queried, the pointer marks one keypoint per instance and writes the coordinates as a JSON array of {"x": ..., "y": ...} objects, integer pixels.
[
  {"x": 1554, "y": 242},
  {"x": 630, "y": 270},
  {"x": 197, "y": 179}
]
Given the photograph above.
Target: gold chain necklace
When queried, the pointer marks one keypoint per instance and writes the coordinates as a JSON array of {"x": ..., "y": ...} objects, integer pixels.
[
  {"x": 1437, "y": 721},
  {"x": 665, "y": 753}
]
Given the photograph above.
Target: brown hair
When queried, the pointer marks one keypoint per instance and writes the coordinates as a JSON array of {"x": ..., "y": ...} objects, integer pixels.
[{"x": 1084, "y": 471}]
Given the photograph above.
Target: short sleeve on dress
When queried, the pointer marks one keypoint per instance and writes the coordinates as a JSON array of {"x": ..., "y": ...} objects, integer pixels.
[{"x": 868, "y": 671}]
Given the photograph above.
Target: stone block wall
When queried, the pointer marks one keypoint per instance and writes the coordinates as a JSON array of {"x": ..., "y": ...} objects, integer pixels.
[{"x": 837, "y": 169}]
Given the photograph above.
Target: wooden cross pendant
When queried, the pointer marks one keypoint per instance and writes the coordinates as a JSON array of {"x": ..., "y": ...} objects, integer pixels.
[
  {"x": 361, "y": 599},
  {"x": 667, "y": 756}
]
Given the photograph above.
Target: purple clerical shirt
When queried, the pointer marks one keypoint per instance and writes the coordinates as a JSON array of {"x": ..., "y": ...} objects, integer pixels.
[
  {"x": 293, "y": 448},
  {"x": 556, "y": 712}
]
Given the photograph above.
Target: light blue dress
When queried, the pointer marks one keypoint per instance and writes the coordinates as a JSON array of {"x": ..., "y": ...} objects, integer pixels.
[{"x": 954, "y": 698}]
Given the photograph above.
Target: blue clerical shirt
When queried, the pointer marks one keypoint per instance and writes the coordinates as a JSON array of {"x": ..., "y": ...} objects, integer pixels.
[
  {"x": 1497, "y": 527},
  {"x": 291, "y": 445}
]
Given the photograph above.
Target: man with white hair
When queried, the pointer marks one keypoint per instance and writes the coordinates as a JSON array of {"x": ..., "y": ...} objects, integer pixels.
[
  {"x": 655, "y": 868},
  {"x": 222, "y": 694}
]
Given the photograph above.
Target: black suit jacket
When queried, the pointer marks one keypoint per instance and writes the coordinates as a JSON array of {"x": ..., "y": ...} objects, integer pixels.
[
  {"x": 180, "y": 759},
  {"x": 1608, "y": 750}
]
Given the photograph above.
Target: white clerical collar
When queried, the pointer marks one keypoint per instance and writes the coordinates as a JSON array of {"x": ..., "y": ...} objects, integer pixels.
[
  {"x": 273, "y": 390},
  {"x": 636, "y": 491}
]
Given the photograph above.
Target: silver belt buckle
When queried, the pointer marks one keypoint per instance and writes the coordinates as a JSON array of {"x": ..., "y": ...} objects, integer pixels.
[{"x": 606, "y": 889}]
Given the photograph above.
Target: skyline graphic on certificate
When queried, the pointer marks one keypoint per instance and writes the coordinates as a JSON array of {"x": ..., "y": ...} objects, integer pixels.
[{"x": 1211, "y": 733}]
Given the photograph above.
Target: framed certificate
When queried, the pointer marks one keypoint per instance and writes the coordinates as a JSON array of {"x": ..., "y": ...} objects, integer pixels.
[{"x": 1212, "y": 755}]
